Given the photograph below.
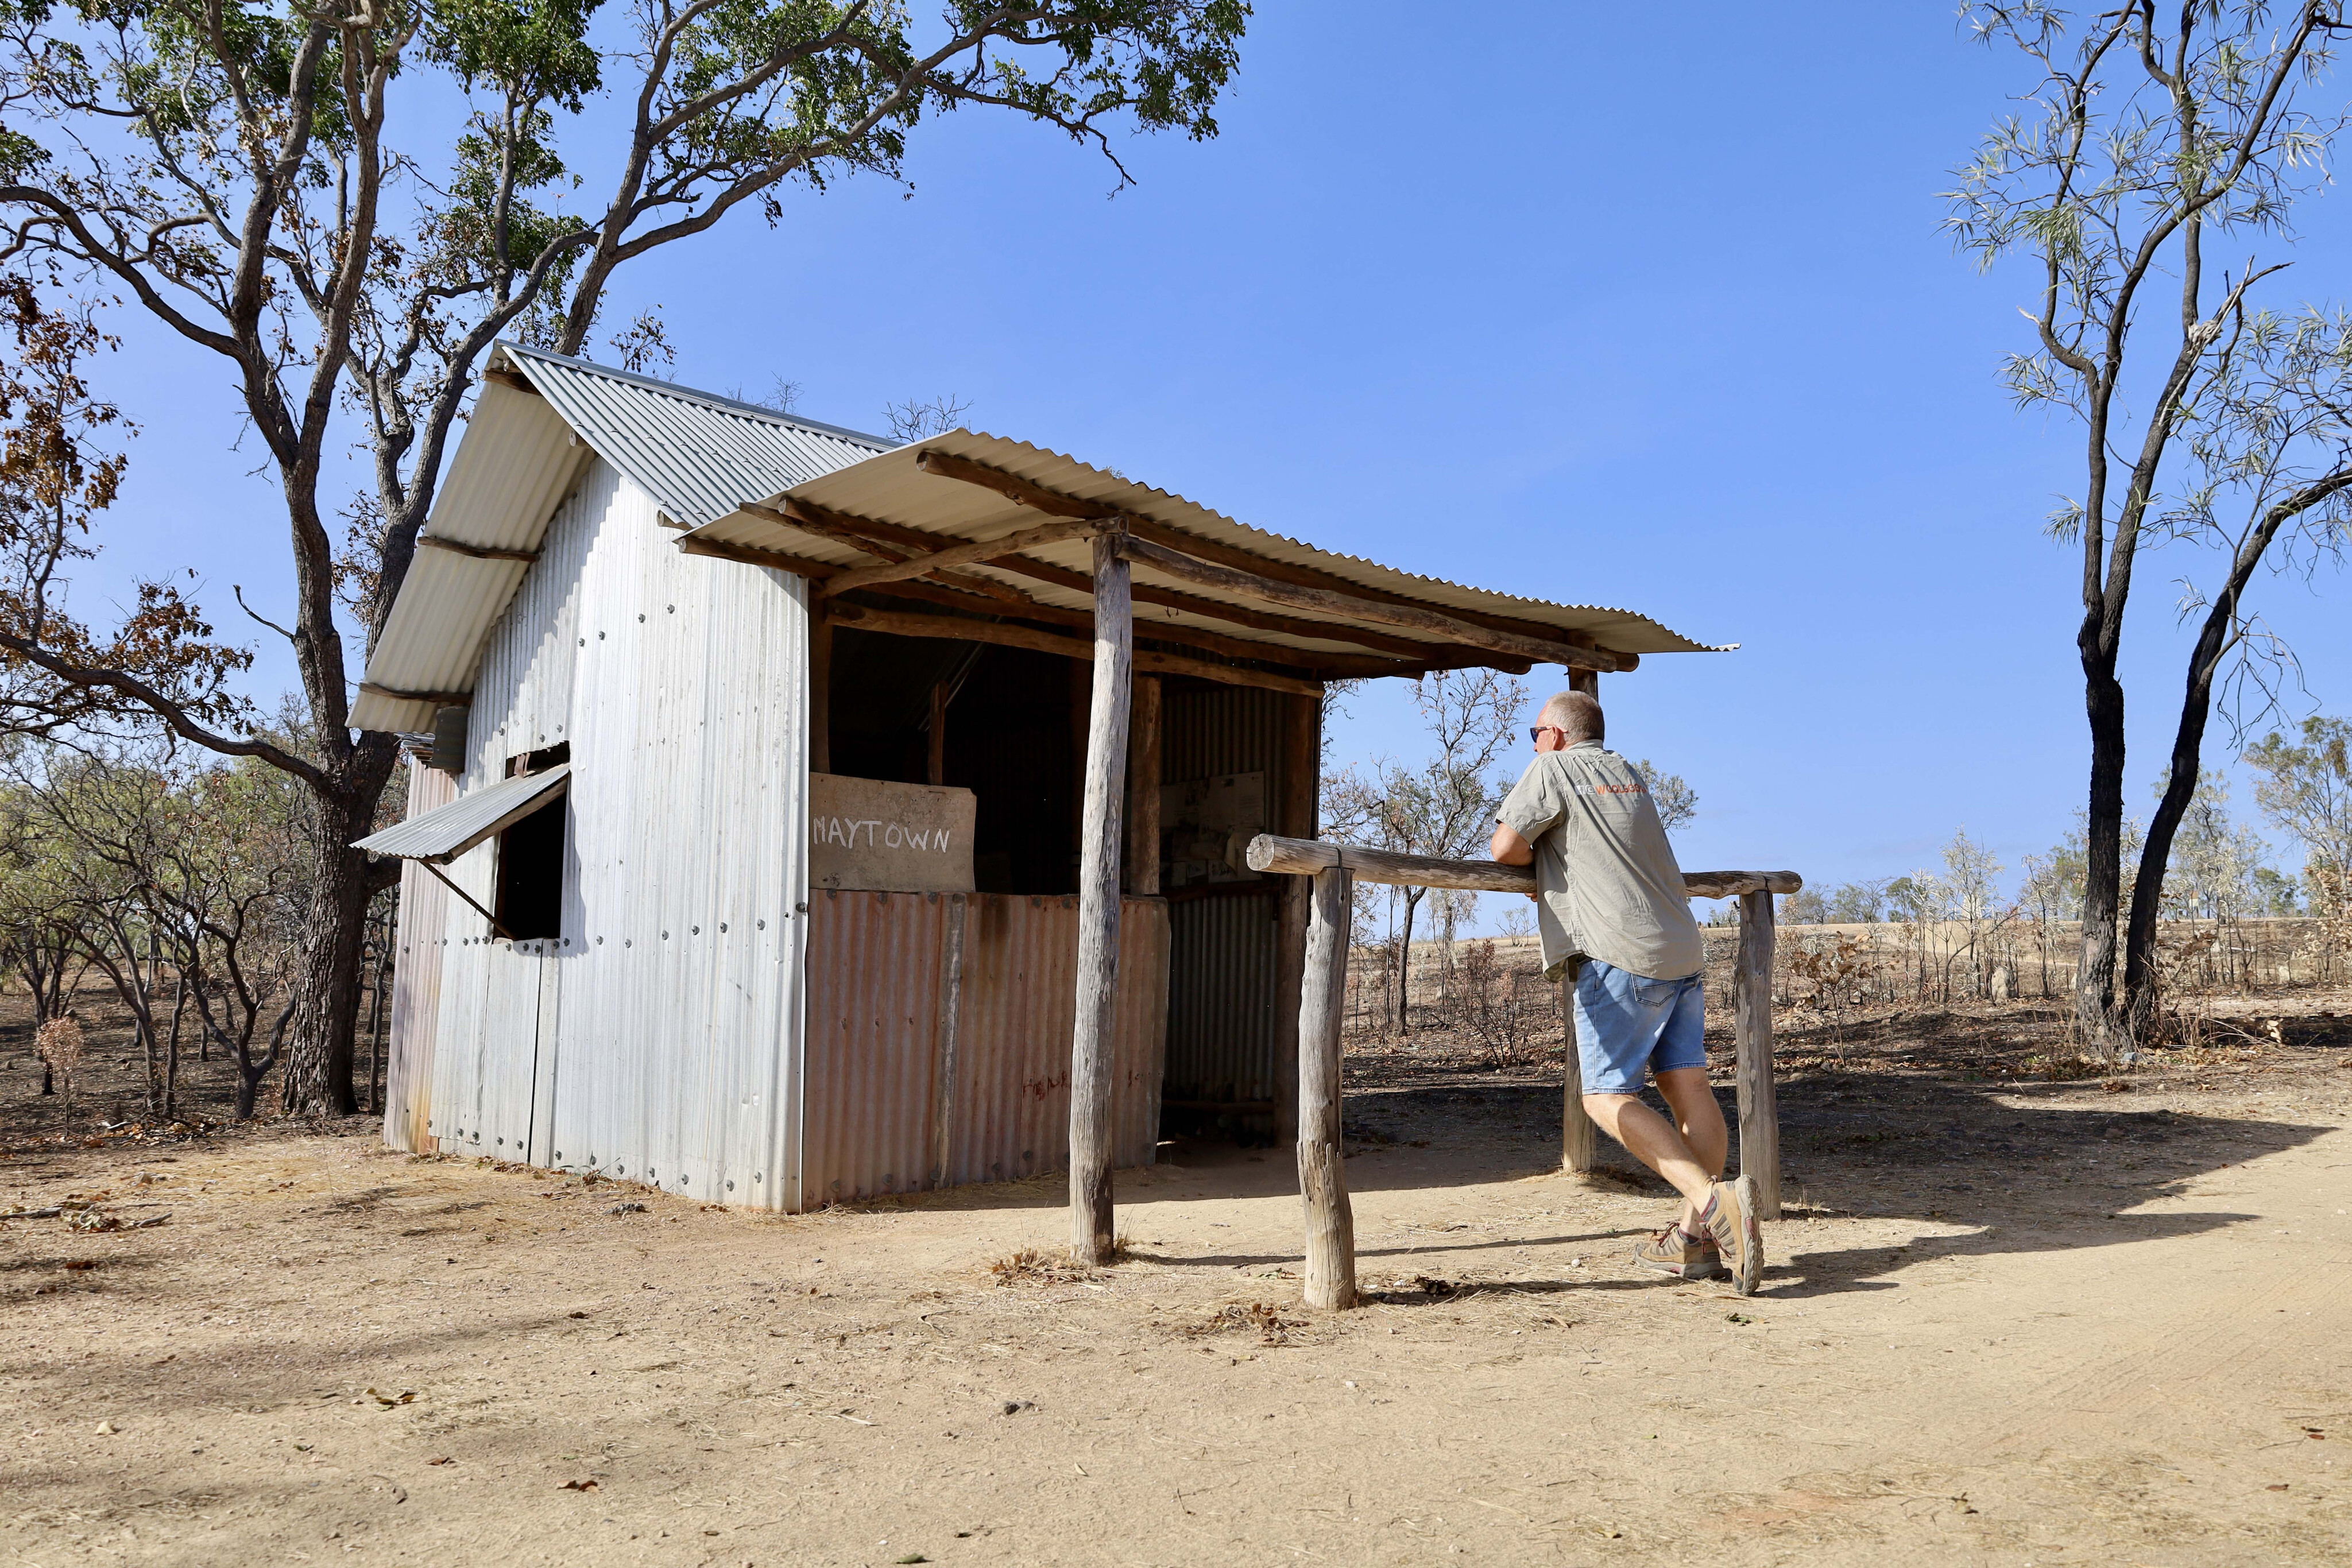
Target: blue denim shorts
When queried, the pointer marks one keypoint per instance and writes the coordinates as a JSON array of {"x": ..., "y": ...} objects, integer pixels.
[{"x": 1626, "y": 1022}]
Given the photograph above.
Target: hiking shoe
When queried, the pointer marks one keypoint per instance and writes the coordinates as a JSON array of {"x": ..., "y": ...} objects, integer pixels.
[
  {"x": 1730, "y": 1219},
  {"x": 1676, "y": 1252}
]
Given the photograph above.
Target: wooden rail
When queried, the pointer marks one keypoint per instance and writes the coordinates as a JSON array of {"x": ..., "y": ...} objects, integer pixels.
[{"x": 1322, "y": 1175}]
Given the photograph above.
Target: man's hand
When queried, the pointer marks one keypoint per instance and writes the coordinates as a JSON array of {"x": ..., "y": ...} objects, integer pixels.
[{"x": 1508, "y": 848}]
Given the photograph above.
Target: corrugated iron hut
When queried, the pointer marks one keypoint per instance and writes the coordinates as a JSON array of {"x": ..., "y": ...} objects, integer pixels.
[{"x": 797, "y": 818}]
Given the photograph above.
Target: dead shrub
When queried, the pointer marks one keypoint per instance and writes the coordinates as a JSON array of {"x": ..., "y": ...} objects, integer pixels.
[
  {"x": 1032, "y": 1267},
  {"x": 59, "y": 1042},
  {"x": 1237, "y": 1317}
]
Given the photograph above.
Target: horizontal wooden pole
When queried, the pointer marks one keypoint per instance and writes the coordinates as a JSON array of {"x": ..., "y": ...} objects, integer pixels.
[
  {"x": 472, "y": 552},
  {"x": 1732, "y": 883},
  {"x": 1306, "y": 857},
  {"x": 960, "y": 554},
  {"x": 1231, "y": 579},
  {"x": 511, "y": 381},
  {"x": 446, "y": 699},
  {"x": 1052, "y": 503},
  {"x": 899, "y": 623}
]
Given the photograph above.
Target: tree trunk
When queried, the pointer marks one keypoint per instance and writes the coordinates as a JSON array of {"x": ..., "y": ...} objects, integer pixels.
[
  {"x": 2095, "y": 982},
  {"x": 326, "y": 991},
  {"x": 1404, "y": 966}
]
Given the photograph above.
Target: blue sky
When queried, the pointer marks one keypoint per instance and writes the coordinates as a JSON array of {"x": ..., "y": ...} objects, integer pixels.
[{"x": 1601, "y": 304}]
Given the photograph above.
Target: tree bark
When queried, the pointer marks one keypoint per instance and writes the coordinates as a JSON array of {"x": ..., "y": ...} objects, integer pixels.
[
  {"x": 325, "y": 999},
  {"x": 2094, "y": 984}
]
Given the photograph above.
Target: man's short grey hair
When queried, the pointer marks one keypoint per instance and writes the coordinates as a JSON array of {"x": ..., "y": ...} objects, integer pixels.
[{"x": 1577, "y": 715}]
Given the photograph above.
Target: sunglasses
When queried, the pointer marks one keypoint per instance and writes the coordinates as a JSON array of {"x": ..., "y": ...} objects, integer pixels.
[{"x": 1536, "y": 733}]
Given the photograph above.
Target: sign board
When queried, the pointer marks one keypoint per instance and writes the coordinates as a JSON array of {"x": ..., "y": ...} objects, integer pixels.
[
  {"x": 1209, "y": 823},
  {"x": 889, "y": 838}
]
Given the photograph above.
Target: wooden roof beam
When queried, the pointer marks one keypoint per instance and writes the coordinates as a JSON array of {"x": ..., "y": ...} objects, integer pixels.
[
  {"x": 968, "y": 554},
  {"x": 893, "y": 622},
  {"x": 1406, "y": 648},
  {"x": 1206, "y": 574},
  {"x": 472, "y": 552},
  {"x": 1325, "y": 665},
  {"x": 1015, "y": 488}
]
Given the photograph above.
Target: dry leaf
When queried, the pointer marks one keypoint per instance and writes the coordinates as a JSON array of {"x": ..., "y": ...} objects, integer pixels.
[{"x": 577, "y": 1486}]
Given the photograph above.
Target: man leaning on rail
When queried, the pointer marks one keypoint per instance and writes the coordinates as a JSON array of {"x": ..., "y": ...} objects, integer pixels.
[{"x": 1617, "y": 925}]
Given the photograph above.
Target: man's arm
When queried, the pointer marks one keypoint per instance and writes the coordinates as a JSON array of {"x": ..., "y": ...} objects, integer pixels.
[{"x": 1508, "y": 849}]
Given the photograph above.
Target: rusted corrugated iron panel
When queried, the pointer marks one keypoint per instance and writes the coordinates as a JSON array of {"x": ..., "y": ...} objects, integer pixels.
[
  {"x": 1220, "y": 997},
  {"x": 874, "y": 1018},
  {"x": 1012, "y": 1070},
  {"x": 877, "y": 1039},
  {"x": 1221, "y": 1030},
  {"x": 420, "y": 919}
]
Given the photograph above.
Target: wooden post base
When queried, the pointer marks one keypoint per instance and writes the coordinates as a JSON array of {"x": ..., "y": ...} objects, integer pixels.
[
  {"x": 1322, "y": 1170},
  {"x": 1579, "y": 1144}
]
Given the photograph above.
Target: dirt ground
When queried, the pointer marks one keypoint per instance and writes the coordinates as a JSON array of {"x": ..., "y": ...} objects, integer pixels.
[{"x": 2017, "y": 1315}]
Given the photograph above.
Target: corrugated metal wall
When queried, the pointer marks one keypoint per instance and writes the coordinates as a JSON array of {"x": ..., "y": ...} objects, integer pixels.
[
  {"x": 889, "y": 1059},
  {"x": 419, "y": 939},
  {"x": 1221, "y": 950},
  {"x": 657, "y": 1038}
]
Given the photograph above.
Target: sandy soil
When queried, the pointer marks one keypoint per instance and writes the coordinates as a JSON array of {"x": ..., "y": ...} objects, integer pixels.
[{"x": 2015, "y": 1317}]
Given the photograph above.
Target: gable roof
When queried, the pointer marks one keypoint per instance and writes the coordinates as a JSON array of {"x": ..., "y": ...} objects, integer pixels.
[{"x": 534, "y": 427}]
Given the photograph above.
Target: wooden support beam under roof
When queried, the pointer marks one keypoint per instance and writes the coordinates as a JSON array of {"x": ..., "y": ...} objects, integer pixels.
[
  {"x": 965, "y": 554},
  {"x": 1012, "y": 487},
  {"x": 472, "y": 552},
  {"x": 894, "y": 541},
  {"x": 1207, "y": 574},
  {"x": 902, "y": 623},
  {"x": 443, "y": 699}
]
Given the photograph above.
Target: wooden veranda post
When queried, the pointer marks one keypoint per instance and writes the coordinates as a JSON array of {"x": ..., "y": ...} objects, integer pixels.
[
  {"x": 1322, "y": 1170},
  {"x": 820, "y": 735},
  {"x": 1143, "y": 790},
  {"x": 1578, "y": 1137},
  {"x": 1751, "y": 992},
  {"x": 1092, "y": 1222},
  {"x": 1302, "y": 737}
]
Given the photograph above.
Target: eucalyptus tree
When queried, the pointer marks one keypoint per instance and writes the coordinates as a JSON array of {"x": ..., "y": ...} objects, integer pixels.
[
  {"x": 2150, "y": 137},
  {"x": 347, "y": 204},
  {"x": 1444, "y": 806}
]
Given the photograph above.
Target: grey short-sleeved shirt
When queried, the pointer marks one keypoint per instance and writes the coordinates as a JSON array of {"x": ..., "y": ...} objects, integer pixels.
[{"x": 1610, "y": 887}]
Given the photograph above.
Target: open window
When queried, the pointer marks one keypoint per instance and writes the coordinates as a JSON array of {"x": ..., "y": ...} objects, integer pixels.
[{"x": 530, "y": 904}]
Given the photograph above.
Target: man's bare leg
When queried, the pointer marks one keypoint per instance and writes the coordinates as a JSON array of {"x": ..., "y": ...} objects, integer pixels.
[
  {"x": 1699, "y": 1119},
  {"x": 1690, "y": 1155}
]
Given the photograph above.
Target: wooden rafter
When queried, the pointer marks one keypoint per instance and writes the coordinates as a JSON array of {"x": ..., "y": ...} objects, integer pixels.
[
  {"x": 966, "y": 554},
  {"x": 472, "y": 552},
  {"x": 443, "y": 699},
  {"x": 902, "y": 623},
  {"x": 1208, "y": 574},
  {"x": 1037, "y": 498}
]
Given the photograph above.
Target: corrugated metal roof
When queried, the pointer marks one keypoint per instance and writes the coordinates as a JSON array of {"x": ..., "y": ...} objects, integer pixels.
[
  {"x": 697, "y": 455},
  {"x": 444, "y": 834},
  {"x": 890, "y": 487}
]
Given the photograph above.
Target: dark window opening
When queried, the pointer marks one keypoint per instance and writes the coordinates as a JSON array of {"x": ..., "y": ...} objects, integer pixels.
[
  {"x": 539, "y": 761},
  {"x": 530, "y": 874}
]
